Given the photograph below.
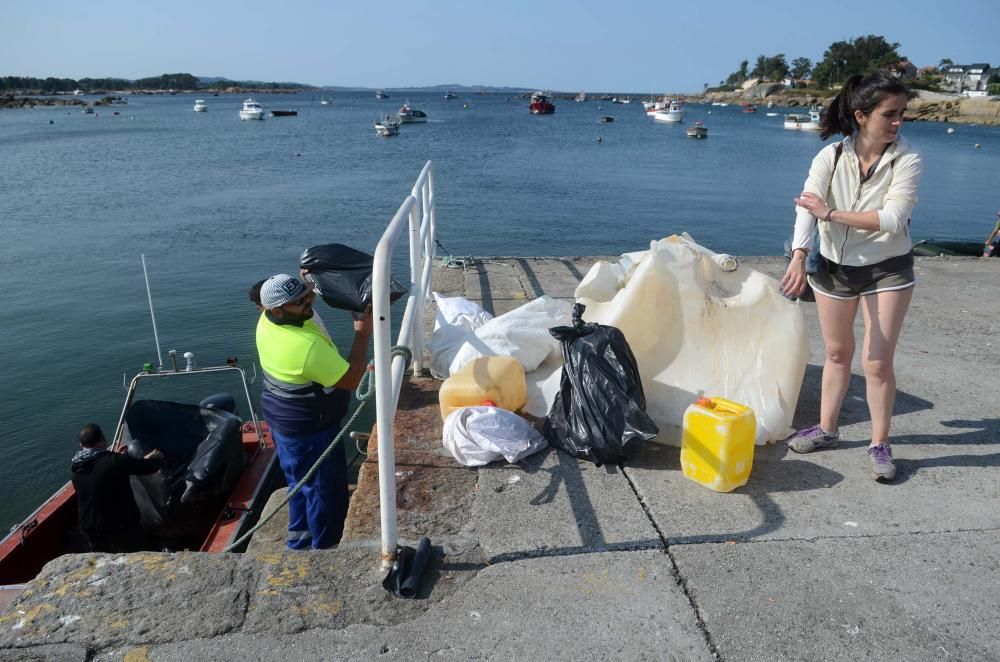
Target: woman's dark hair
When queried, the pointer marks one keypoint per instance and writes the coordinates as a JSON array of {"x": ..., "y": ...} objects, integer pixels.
[{"x": 858, "y": 93}]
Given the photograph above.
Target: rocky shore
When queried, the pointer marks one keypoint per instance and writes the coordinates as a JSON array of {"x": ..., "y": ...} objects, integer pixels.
[{"x": 926, "y": 106}]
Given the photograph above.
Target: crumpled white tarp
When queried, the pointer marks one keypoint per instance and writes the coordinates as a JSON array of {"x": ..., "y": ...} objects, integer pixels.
[
  {"x": 479, "y": 435},
  {"x": 456, "y": 318},
  {"x": 696, "y": 330},
  {"x": 522, "y": 333}
]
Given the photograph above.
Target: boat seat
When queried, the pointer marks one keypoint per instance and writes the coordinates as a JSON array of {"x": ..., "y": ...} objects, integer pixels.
[{"x": 204, "y": 459}]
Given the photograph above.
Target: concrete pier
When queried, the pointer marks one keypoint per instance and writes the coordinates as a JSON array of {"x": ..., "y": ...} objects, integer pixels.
[{"x": 558, "y": 559}]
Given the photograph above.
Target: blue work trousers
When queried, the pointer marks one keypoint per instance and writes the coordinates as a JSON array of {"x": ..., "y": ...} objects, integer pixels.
[{"x": 316, "y": 514}]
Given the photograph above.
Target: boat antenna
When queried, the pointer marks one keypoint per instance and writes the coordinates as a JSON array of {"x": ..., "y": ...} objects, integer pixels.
[{"x": 152, "y": 315}]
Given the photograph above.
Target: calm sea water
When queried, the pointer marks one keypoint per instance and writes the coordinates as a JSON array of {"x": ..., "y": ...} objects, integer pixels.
[{"x": 216, "y": 203}]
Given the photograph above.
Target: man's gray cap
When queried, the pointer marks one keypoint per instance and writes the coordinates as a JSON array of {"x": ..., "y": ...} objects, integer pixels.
[{"x": 281, "y": 289}]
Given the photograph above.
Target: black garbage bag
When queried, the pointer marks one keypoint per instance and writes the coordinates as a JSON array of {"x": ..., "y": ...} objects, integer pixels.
[
  {"x": 203, "y": 461},
  {"x": 343, "y": 276},
  {"x": 599, "y": 413}
]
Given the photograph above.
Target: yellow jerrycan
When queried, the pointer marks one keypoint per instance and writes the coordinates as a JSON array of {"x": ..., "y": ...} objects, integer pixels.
[
  {"x": 494, "y": 380},
  {"x": 717, "y": 443}
]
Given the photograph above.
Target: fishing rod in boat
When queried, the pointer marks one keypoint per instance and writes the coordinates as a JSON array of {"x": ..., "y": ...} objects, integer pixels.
[{"x": 152, "y": 315}]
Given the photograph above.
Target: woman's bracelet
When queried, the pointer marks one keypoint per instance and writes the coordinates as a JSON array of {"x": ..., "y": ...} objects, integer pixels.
[{"x": 829, "y": 215}]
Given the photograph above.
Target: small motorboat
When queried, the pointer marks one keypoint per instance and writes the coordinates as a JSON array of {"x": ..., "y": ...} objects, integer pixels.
[
  {"x": 88, "y": 110},
  {"x": 749, "y": 107},
  {"x": 970, "y": 247},
  {"x": 251, "y": 110},
  {"x": 380, "y": 94},
  {"x": 284, "y": 113},
  {"x": 200, "y": 106},
  {"x": 408, "y": 115},
  {"x": 324, "y": 102},
  {"x": 801, "y": 122},
  {"x": 581, "y": 97},
  {"x": 699, "y": 130},
  {"x": 540, "y": 104},
  {"x": 606, "y": 119},
  {"x": 449, "y": 95},
  {"x": 219, "y": 470},
  {"x": 386, "y": 127}
]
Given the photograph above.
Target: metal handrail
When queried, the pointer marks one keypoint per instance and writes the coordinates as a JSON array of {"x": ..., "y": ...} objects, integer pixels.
[{"x": 418, "y": 212}]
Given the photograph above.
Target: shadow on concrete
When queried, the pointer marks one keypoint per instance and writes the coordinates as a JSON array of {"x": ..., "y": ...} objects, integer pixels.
[
  {"x": 855, "y": 409},
  {"x": 983, "y": 431},
  {"x": 568, "y": 473}
]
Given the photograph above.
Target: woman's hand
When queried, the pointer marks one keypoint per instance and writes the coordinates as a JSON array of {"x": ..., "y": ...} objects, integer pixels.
[
  {"x": 793, "y": 283},
  {"x": 814, "y": 204}
]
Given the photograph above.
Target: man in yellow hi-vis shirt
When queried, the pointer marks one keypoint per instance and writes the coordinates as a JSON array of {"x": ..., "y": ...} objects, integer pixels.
[{"x": 307, "y": 389}]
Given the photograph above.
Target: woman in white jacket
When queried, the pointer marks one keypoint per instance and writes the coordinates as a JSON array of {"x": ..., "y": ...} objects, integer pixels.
[{"x": 860, "y": 192}]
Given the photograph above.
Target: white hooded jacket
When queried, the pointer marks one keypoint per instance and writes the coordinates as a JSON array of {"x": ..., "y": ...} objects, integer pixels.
[{"x": 891, "y": 190}]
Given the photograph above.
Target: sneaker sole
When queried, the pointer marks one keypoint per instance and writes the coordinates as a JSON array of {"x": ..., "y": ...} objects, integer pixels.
[
  {"x": 815, "y": 448},
  {"x": 877, "y": 476}
]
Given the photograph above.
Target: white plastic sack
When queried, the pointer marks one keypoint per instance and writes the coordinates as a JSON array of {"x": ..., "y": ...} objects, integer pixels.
[
  {"x": 696, "y": 330},
  {"x": 522, "y": 333},
  {"x": 479, "y": 435},
  {"x": 456, "y": 319}
]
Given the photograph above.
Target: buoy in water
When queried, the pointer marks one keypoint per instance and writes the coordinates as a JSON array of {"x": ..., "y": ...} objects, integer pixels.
[
  {"x": 977, "y": 145},
  {"x": 51, "y": 121},
  {"x": 600, "y": 140},
  {"x": 951, "y": 130}
]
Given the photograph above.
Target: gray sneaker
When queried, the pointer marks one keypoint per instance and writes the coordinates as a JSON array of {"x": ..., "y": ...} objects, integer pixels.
[
  {"x": 811, "y": 439},
  {"x": 880, "y": 464}
]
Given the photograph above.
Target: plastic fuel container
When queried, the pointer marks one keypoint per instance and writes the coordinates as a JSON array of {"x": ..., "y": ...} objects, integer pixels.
[
  {"x": 495, "y": 380},
  {"x": 717, "y": 443}
]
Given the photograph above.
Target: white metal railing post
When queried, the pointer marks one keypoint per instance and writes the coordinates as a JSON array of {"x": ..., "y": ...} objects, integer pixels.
[{"x": 417, "y": 211}]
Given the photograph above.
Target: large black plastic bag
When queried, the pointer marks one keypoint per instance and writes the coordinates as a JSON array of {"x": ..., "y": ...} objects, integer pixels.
[
  {"x": 599, "y": 413},
  {"x": 343, "y": 276}
]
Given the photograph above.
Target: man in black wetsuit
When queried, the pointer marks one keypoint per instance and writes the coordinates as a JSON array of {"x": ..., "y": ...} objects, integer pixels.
[{"x": 109, "y": 517}]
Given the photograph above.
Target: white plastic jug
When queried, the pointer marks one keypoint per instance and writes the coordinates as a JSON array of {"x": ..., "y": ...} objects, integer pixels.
[{"x": 695, "y": 329}]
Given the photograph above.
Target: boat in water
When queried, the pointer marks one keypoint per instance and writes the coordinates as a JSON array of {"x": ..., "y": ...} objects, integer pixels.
[
  {"x": 380, "y": 94},
  {"x": 606, "y": 119},
  {"x": 540, "y": 104},
  {"x": 674, "y": 112},
  {"x": 200, "y": 106},
  {"x": 408, "y": 115},
  {"x": 449, "y": 95},
  {"x": 251, "y": 110},
  {"x": 581, "y": 97},
  {"x": 698, "y": 130},
  {"x": 386, "y": 127},
  {"x": 218, "y": 472},
  {"x": 748, "y": 107},
  {"x": 803, "y": 122},
  {"x": 284, "y": 113}
]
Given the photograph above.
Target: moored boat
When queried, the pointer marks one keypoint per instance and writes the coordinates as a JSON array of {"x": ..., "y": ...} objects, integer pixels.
[
  {"x": 698, "y": 130},
  {"x": 284, "y": 113},
  {"x": 581, "y": 97},
  {"x": 449, "y": 95},
  {"x": 672, "y": 113},
  {"x": 228, "y": 499},
  {"x": 540, "y": 104},
  {"x": 386, "y": 127},
  {"x": 606, "y": 119},
  {"x": 251, "y": 110},
  {"x": 802, "y": 122},
  {"x": 408, "y": 115},
  {"x": 200, "y": 106},
  {"x": 380, "y": 94},
  {"x": 749, "y": 107}
]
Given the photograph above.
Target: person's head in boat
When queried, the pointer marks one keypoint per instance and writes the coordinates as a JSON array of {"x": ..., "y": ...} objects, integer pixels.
[
  {"x": 286, "y": 298},
  {"x": 255, "y": 294},
  {"x": 91, "y": 436}
]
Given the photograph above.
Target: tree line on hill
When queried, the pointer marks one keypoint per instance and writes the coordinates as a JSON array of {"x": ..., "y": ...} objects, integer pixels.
[
  {"x": 163, "y": 82},
  {"x": 841, "y": 60}
]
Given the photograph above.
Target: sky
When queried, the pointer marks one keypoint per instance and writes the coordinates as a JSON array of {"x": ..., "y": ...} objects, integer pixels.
[{"x": 558, "y": 45}]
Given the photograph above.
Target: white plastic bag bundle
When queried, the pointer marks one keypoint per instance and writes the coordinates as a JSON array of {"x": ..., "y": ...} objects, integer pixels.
[
  {"x": 479, "y": 435},
  {"x": 698, "y": 330},
  {"x": 522, "y": 333},
  {"x": 456, "y": 319}
]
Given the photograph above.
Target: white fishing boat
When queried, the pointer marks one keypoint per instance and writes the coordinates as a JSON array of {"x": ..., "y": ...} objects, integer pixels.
[
  {"x": 408, "y": 115},
  {"x": 199, "y": 106},
  {"x": 380, "y": 94},
  {"x": 803, "y": 122},
  {"x": 324, "y": 102},
  {"x": 673, "y": 113},
  {"x": 581, "y": 97},
  {"x": 449, "y": 95},
  {"x": 386, "y": 127},
  {"x": 251, "y": 110}
]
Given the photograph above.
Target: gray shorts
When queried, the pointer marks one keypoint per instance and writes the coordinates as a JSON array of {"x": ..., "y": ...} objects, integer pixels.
[{"x": 841, "y": 281}]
